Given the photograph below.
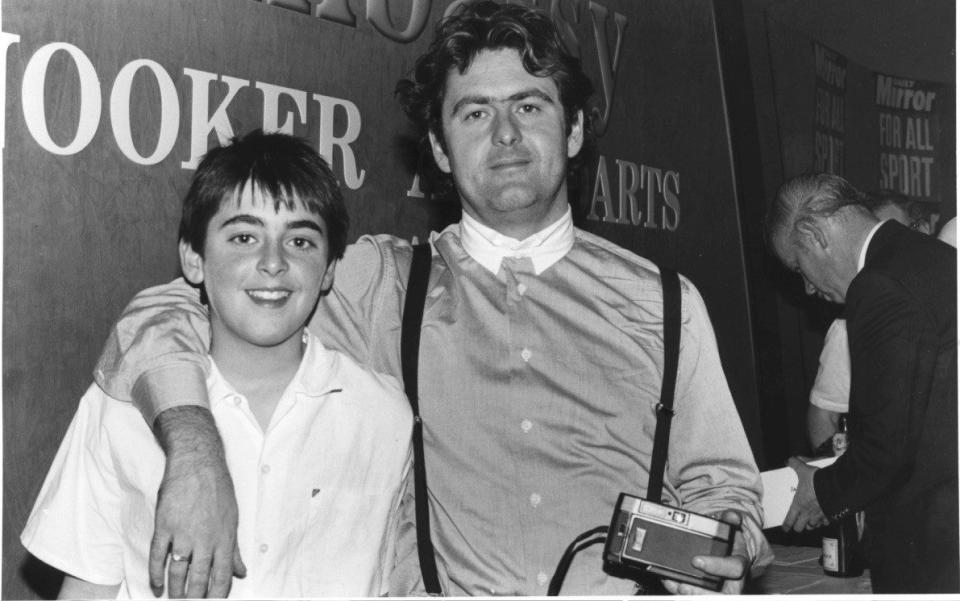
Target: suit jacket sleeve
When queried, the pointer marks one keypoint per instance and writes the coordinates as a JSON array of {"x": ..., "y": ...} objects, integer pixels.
[{"x": 893, "y": 350}]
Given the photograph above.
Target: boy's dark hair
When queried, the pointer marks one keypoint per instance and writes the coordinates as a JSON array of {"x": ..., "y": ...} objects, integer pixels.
[
  {"x": 487, "y": 25},
  {"x": 282, "y": 167}
]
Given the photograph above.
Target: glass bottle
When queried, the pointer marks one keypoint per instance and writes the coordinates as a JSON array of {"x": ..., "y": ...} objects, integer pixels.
[{"x": 841, "y": 539}]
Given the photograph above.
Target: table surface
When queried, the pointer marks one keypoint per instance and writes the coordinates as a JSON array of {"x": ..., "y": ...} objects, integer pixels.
[{"x": 797, "y": 570}]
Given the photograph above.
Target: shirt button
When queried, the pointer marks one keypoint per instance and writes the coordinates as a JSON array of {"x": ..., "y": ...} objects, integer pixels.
[
  {"x": 526, "y": 425},
  {"x": 237, "y": 400},
  {"x": 264, "y": 548},
  {"x": 265, "y": 469},
  {"x": 525, "y": 354},
  {"x": 521, "y": 289},
  {"x": 535, "y": 499},
  {"x": 542, "y": 578}
]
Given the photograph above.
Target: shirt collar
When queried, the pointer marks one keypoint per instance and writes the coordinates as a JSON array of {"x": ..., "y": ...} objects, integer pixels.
[
  {"x": 315, "y": 377},
  {"x": 489, "y": 247},
  {"x": 863, "y": 249}
]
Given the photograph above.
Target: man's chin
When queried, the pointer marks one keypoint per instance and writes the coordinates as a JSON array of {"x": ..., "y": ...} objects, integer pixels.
[{"x": 512, "y": 196}]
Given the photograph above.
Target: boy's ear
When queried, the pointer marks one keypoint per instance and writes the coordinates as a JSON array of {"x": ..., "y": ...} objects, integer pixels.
[
  {"x": 191, "y": 263},
  {"x": 327, "y": 282}
]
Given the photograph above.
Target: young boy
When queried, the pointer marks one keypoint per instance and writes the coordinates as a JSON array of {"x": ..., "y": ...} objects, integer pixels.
[{"x": 318, "y": 447}]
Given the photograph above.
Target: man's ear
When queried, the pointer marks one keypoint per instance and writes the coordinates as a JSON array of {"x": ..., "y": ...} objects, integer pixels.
[
  {"x": 327, "y": 282},
  {"x": 812, "y": 233},
  {"x": 575, "y": 138},
  {"x": 191, "y": 263},
  {"x": 439, "y": 154}
]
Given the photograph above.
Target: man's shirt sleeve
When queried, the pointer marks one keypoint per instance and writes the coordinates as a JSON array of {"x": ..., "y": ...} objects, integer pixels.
[
  {"x": 155, "y": 354},
  {"x": 831, "y": 389},
  {"x": 361, "y": 315},
  {"x": 710, "y": 466}
]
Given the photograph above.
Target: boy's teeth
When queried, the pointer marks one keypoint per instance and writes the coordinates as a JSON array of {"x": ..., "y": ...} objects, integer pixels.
[{"x": 269, "y": 294}]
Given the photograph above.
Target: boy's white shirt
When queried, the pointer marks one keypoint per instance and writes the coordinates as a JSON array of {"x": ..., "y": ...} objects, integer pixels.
[{"x": 318, "y": 492}]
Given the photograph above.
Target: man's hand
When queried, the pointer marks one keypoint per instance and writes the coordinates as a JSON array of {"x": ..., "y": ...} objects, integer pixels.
[
  {"x": 196, "y": 521},
  {"x": 805, "y": 512},
  {"x": 733, "y": 568}
]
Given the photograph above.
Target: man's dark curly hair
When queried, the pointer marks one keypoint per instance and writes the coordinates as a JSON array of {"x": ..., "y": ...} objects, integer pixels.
[{"x": 488, "y": 25}]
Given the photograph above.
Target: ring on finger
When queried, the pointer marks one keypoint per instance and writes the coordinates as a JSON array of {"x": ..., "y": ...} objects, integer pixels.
[{"x": 178, "y": 557}]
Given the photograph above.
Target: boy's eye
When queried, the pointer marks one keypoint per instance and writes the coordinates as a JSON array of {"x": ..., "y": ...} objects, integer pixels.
[
  {"x": 242, "y": 238},
  {"x": 302, "y": 243}
]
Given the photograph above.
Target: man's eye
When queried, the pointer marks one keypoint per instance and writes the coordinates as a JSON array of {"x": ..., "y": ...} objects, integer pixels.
[
  {"x": 529, "y": 108},
  {"x": 473, "y": 115}
]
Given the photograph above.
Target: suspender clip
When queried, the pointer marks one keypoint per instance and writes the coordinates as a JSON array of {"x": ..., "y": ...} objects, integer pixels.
[{"x": 664, "y": 410}]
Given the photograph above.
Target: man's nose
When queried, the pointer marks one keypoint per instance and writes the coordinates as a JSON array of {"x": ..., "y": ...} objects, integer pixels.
[
  {"x": 808, "y": 287},
  {"x": 506, "y": 129},
  {"x": 273, "y": 260}
]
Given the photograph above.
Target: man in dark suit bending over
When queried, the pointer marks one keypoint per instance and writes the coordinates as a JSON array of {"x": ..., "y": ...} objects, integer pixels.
[{"x": 900, "y": 292}]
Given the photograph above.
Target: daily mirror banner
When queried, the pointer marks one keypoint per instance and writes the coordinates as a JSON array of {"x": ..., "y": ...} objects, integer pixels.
[
  {"x": 878, "y": 130},
  {"x": 110, "y": 105},
  {"x": 909, "y": 132}
]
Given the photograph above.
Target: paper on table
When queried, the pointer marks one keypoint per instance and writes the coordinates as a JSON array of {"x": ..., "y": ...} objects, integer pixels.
[{"x": 779, "y": 486}]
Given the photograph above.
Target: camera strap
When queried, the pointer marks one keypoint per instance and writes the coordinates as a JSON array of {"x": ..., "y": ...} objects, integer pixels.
[
  {"x": 670, "y": 282},
  {"x": 409, "y": 360}
]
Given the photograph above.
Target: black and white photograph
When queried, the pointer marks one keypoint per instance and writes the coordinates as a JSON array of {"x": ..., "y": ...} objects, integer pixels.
[{"x": 479, "y": 298}]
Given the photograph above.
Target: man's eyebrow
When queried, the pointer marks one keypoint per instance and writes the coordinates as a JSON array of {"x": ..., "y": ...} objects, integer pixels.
[{"x": 521, "y": 95}]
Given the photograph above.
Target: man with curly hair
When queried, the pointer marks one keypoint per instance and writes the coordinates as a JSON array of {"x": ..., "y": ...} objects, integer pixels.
[{"x": 541, "y": 352}]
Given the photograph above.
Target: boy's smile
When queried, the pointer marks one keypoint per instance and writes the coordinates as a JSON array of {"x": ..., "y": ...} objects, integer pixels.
[{"x": 271, "y": 297}]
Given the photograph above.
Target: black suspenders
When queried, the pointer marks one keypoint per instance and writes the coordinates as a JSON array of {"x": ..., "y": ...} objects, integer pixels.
[
  {"x": 670, "y": 282},
  {"x": 409, "y": 359}
]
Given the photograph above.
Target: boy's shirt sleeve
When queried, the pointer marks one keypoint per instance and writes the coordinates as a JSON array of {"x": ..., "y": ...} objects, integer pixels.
[
  {"x": 75, "y": 523},
  {"x": 156, "y": 353}
]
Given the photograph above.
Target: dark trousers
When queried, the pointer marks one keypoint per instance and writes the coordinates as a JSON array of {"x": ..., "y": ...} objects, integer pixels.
[{"x": 913, "y": 548}]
